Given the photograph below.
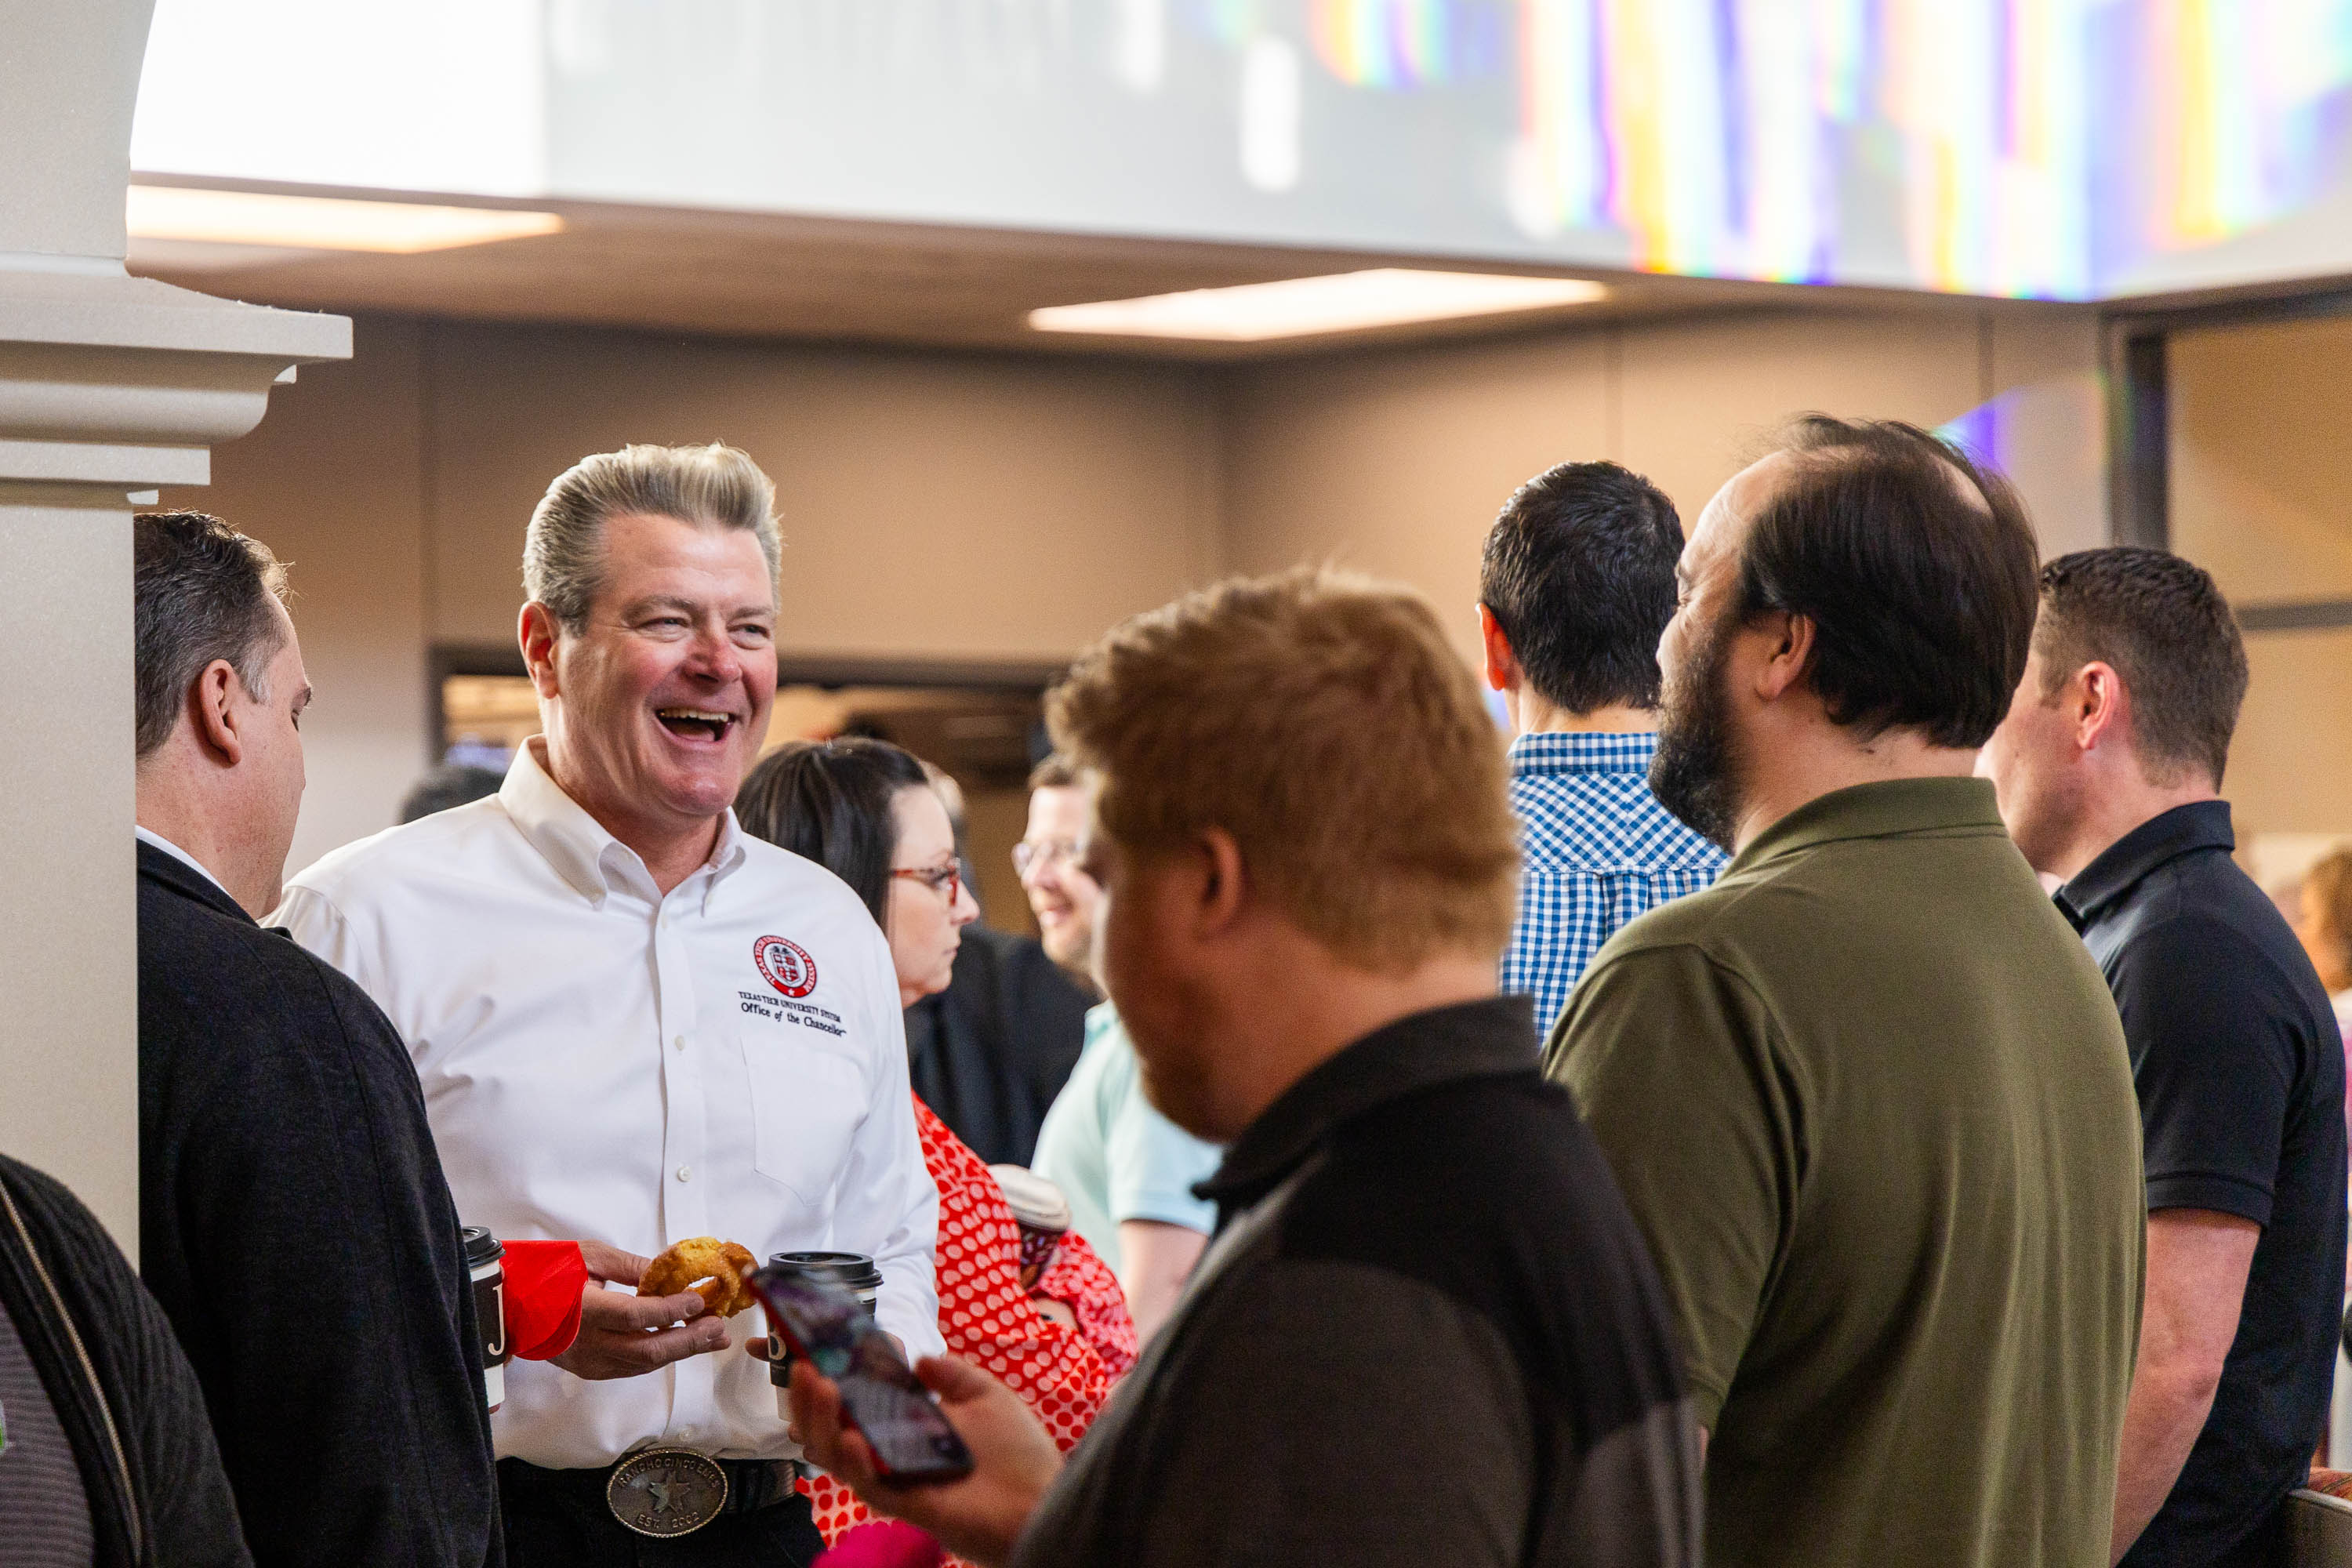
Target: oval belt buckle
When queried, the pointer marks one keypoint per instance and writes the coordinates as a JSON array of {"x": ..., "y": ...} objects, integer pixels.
[{"x": 666, "y": 1491}]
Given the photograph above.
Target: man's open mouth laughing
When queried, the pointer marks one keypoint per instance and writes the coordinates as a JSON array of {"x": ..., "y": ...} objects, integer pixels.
[{"x": 701, "y": 725}]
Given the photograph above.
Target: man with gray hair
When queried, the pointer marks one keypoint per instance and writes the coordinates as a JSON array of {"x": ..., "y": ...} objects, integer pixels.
[
  {"x": 634, "y": 1022},
  {"x": 294, "y": 1222}
]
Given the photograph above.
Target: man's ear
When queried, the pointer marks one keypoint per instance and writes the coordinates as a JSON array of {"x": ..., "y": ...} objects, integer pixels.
[
  {"x": 536, "y": 634},
  {"x": 1222, "y": 885},
  {"x": 1789, "y": 651},
  {"x": 2097, "y": 705},
  {"x": 1502, "y": 666},
  {"x": 214, "y": 712}
]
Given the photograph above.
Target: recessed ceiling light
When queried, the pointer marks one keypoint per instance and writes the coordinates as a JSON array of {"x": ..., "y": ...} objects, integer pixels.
[
  {"x": 320, "y": 223},
  {"x": 1296, "y": 307}
]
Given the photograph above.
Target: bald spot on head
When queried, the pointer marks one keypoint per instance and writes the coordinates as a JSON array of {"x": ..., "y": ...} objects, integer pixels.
[
  {"x": 1720, "y": 536},
  {"x": 1711, "y": 556}
]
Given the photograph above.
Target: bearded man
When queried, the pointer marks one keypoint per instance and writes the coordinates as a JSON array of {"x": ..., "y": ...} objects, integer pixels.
[{"x": 1867, "y": 1096}]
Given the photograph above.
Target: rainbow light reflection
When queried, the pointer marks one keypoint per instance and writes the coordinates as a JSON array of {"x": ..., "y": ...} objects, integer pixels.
[
  {"x": 2024, "y": 147},
  {"x": 1723, "y": 135},
  {"x": 1387, "y": 44}
]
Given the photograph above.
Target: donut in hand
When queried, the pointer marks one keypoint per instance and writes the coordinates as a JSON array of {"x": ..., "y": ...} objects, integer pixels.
[{"x": 713, "y": 1269}]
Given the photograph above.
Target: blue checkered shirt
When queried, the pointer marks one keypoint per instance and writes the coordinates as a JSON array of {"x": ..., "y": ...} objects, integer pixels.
[{"x": 1598, "y": 851}]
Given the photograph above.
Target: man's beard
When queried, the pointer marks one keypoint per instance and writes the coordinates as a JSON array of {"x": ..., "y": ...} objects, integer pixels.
[{"x": 1695, "y": 772}]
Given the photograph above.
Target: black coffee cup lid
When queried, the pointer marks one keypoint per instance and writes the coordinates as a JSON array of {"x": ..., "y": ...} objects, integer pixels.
[
  {"x": 851, "y": 1270},
  {"x": 482, "y": 1246}
]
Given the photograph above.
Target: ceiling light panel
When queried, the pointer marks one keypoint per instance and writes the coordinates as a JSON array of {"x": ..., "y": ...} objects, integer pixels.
[
  {"x": 1301, "y": 307},
  {"x": 320, "y": 223}
]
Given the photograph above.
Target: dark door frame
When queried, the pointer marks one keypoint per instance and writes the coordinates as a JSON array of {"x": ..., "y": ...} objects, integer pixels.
[
  {"x": 2139, "y": 394},
  {"x": 2134, "y": 348}
]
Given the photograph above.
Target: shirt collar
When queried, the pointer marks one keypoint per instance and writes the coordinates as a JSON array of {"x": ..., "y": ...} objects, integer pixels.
[
  {"x": 149, "y": 835},
  {"x": 2125, "y": 864},
  {"x": 1468, "y": 1039},
  {"x": 1558, "y": 751},
  {"x": 588, "y": 858},
  {"x": 1882, "y": 810}
]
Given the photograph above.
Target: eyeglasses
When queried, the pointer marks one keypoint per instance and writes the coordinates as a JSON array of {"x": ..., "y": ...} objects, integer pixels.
[
  {"x": 947, "y": 881},
  {"x": 1044, "y": 854}
]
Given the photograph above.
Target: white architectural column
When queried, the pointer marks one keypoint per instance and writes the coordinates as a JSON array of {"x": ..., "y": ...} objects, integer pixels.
[{"x": 110, "y": 387}]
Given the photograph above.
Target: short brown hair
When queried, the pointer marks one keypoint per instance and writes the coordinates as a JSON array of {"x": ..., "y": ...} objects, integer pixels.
[
  {"x": 2162, "y": 625},
  {"x": 1578, "y": 571},
  {"x": 1321, "y": 720},
  {"x": 200, "y": 591},
  {"x": 1916, "y": 566}
]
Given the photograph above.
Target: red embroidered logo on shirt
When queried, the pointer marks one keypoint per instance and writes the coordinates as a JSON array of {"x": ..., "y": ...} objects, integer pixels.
[{"x": 786, "y": 964}]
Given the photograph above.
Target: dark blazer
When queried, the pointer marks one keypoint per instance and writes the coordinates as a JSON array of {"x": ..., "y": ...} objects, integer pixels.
[
  {"x": 989, "y": 1054},
  {"x": 131, "y": 1410},
  {"x": 296, "y": 1227}
]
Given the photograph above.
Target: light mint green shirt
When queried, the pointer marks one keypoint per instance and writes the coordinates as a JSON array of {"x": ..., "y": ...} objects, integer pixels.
[{"x": 1112, "y": 1154}]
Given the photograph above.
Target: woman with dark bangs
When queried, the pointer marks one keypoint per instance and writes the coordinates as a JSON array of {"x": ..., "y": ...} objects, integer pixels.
[{"x": 867, "y": 812}]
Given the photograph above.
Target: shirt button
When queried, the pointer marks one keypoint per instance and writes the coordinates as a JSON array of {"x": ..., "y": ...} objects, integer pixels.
[
  {"x": 686, "y": 1173},
  {"x": 679, "y": 1042}
]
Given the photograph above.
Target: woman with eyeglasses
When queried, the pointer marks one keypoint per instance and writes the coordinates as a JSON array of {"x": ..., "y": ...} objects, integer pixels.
[{"x": 867, "y": 811}]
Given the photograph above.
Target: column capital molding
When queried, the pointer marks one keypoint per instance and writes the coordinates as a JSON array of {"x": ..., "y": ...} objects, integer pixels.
[{"x": 111, "y": 386}]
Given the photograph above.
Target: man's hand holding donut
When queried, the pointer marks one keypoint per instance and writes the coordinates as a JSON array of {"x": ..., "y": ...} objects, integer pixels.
[{"x": 626, "y": 1336}]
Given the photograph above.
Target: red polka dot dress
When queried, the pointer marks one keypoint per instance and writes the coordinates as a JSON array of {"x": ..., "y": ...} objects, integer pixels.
[{"x": 986, "y": 1317}]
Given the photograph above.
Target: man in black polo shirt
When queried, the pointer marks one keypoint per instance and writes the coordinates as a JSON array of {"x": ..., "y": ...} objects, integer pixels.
[
  {"x": 1426, "y": 1334},
  {"x": 2108, "y": 769}
]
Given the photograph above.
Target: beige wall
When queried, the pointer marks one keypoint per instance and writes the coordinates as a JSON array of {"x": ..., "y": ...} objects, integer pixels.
[
  {"x": 2291, "y": 764},
  {"x": 333, "y": 482},
  {"x": 2261, "y": 473},
  {"x": 2262, "y": 466},
  {"x": 957, "y": 506},
  {"x": 1396, "y": 462},
  {"x": 933, "y": 505}
]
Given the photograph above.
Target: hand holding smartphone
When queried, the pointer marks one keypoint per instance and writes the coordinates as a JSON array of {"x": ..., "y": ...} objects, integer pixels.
[{"x": 900, "y": 1418}]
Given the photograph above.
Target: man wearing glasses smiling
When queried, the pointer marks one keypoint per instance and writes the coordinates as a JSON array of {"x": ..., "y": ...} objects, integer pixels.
[{"x": 1128, "y": 1171}]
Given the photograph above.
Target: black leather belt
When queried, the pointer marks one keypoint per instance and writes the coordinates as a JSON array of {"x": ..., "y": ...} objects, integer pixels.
[{"x": 664, "y": 1491}]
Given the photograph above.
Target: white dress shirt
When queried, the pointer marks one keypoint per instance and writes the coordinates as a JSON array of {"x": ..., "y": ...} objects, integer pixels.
[{"x": 601, "y": 1062}]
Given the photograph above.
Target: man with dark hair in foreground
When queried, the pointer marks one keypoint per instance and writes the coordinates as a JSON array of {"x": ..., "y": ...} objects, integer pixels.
[
  {"x": 1867, "y": 1096},
  {"x": 1575, "y": 585},
  {"x": 1426, "y": 1335},
  {"x": 293, "y": 1218},
  {"x": 2109, "y": 770}
]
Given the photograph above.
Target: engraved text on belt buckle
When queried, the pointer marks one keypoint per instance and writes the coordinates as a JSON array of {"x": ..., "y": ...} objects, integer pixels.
[{"x": 666, "y": 1491}]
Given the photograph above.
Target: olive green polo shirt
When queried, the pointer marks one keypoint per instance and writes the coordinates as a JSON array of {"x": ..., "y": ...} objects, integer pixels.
[{"x": 1870, "y": 1103}]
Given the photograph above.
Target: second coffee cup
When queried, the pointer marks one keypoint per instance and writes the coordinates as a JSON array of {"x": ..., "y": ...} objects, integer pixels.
[
  {"x": 484, "y": 1265},
  {"x": 1042, "y": 1213}
]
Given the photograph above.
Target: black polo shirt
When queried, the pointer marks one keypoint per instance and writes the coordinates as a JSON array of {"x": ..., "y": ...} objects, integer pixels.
[
  {"x": 1427, "y": 1335},
  {"x": 2240, "y": 1071}
]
